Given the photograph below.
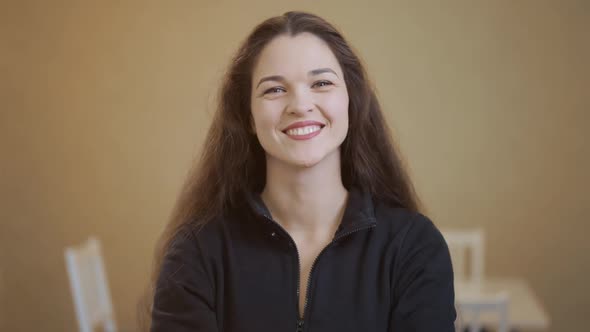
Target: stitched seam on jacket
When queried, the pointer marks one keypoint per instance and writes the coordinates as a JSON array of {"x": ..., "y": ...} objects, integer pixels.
[{"x": 397, "y": 267}]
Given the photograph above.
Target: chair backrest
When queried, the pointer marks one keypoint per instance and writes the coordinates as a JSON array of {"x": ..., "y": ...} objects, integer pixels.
[
  {"x": 470, "y": 312},
  {"x": 89, "y": 286},
  {"x": 462, "y": 243}
]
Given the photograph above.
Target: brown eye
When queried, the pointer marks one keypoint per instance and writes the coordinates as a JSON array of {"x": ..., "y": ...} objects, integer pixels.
[
  {"x": 323, "y": 83},
  {"x": 274, "y": 90}
]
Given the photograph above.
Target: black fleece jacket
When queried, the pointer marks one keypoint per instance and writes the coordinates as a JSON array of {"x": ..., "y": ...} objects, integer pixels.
[{"x": 387, "y": 269}]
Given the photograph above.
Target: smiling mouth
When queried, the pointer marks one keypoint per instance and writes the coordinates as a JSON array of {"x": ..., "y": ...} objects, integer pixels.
[{"x": 303, "y": 131}]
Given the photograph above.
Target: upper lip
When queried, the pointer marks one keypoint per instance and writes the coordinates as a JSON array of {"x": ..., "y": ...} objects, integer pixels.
[{"x": 300, "y": 124}]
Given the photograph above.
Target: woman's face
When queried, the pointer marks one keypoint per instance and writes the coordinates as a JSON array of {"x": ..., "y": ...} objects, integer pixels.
[{"x": 299, "y": 100}]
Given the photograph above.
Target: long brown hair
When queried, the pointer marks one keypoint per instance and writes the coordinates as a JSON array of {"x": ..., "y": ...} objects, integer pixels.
[{"x": 233, "y": 161}]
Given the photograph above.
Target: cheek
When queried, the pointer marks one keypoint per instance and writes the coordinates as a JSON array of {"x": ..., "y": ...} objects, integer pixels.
[
  {"x": 337, "y": 109},
  {"x": 265, "y": 117}
]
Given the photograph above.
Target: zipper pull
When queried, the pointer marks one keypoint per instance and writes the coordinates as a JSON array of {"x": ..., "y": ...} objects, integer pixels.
[{"x": 299, "y": 325}]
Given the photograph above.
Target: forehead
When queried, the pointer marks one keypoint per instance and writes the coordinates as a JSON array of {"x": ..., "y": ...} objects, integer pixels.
[{"x": 295, "y": 55}]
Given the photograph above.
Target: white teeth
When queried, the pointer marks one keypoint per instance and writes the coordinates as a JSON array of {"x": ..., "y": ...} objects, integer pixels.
[{"x": 303, "y": 130}]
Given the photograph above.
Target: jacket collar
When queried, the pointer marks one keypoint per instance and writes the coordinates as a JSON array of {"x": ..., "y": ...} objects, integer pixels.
[{"x": 358, "y": 213}]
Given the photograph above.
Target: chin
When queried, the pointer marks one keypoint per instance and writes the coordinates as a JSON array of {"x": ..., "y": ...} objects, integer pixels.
[
  {"x": 305, "y": 161},
  {"x": 308, "y": 163}
]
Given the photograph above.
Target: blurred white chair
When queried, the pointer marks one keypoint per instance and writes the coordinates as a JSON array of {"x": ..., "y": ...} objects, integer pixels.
[
  {"x": 462, "y": 243},
  {"x": 470, "y": 312},
  {"x": 89, "y": 286}
]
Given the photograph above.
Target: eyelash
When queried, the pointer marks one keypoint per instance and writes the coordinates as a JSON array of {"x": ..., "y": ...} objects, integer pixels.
[{"x": 318, "y": 82}]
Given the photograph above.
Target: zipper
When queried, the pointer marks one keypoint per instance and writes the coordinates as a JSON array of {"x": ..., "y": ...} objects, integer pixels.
[
  {"x": 318, "y": 256},
  {"x": 300, "y": 318},
  {"x": 299, "y": 324},
  {"x": 297, "y": 277}
]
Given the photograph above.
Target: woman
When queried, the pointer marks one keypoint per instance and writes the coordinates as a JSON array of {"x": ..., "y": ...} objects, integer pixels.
[{"x": 299, "y": 215}]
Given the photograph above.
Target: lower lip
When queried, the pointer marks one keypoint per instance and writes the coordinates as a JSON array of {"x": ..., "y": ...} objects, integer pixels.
[{"x": 305, "y": 137}]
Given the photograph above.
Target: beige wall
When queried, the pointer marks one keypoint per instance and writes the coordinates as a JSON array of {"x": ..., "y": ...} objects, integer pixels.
[{"x": 102, "y": 108}]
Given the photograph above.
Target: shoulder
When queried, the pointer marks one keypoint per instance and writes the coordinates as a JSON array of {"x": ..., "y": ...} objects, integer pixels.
[
  {"x": 204, "y": 237},
  {"x": 194, "y": 240},
  {"x": 422, "y": 286},
  {"x": 188, "y": 251},
  {"x": 419, "y": 245},
  {"x": 406, "y": 225}
]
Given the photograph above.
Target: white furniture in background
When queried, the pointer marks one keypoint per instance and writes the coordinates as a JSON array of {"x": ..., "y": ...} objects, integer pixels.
[
  {"x": 473, "y": 289},
  {"x": 472, "y": 310},
  {"x": 463, "y": 244},
  {"x": 89, "y": 286},
  {"x": 525, "y": 311}
]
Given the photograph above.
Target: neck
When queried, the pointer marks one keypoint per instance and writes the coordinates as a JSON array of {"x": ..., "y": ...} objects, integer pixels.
[{"x": 306, "y": 200}]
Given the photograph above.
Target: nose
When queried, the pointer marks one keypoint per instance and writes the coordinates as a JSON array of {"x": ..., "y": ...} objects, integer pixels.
[{"x": 301, "y": 102}]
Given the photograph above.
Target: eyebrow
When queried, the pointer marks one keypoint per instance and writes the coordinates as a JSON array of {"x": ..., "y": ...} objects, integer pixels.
[{"x": 282, "y": 79}]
